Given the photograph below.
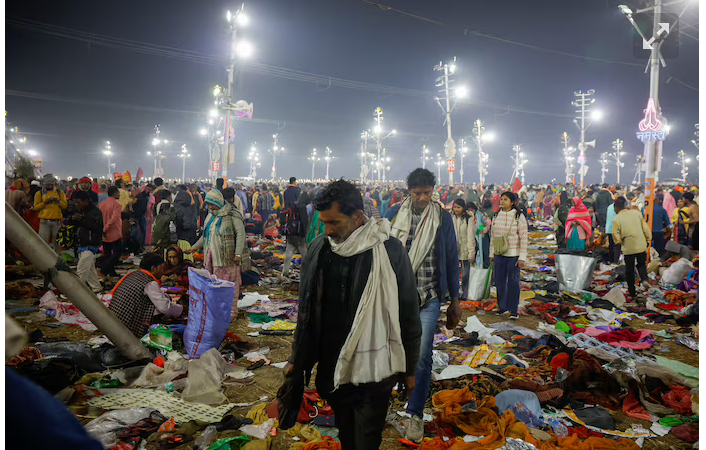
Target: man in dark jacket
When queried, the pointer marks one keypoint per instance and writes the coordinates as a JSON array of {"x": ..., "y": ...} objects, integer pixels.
[
  {"x": 603, "y": 200},
  {"x": 354, "y": 263},
  {"x": 88, "y": 220},
  {"x": 185, "y": 218},
  {"x": 292, "y": 193},
  {"x": 139, "y": 208},
  {"x": 426, "y": 229}
]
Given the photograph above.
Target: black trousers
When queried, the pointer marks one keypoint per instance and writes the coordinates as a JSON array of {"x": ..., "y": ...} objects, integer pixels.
[
  {"x": 658, "y": 242},
  {"x": 601, "y": 218},
  {"x": 111, "y": 256},
  {"x": 613, "y": 250},
  {"x": 630, "y": 260},
  {"x": 360, "y": 413}
]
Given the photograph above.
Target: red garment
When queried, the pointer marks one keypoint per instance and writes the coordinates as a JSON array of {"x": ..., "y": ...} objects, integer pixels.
[
  {"x": 669, "y": 306},
  {"x": 583, "y": 432},
  {"x": 559, "y": 360},
  {"x": 679, "y": 398},
  {"x": 619, "y": 335},
  {"x": 685, "y": 432},
  {"x": 633, "y": 408},
  {"x": 495, "y": 202},
  {"x": 516, "y": 185},
  {"x": 112, "y": 223},
  {"x": 95, "y": 188},
  {"x": 32, "y": 218}
]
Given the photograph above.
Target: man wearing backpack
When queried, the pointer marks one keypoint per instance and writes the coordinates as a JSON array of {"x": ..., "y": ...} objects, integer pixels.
[
  {"x": 296, "y": 225},
  {"x": 161, "y": 228}
]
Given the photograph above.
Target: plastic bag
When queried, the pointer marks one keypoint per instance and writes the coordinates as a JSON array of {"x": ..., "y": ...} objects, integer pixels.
[
  {"x": 153, "y": 375},
  {"x": 205, "y": 376},
  {"x": 159, "y": 336},
  {"x": 479, "y": 282},
  {"x": 210, "y": 302},
  {"x": 104, "y": 427},
  {"x": 676, "y": 273},
  {"x": 439, "y": 360}
]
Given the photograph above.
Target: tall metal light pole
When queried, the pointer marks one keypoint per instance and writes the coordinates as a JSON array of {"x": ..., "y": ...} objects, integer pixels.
[
  {"x": 108, "y": 152},
  {"x": 424, "y": 158},
  {"x": 683, "y": 161},
  {"x": 445, "y": 82},
  {"x": 696, "y": 133},
  {"x": 275, "y": 149},
  {"x": 328, "y": 159},
  {"x": 653, "y": 128},
  {"x": 183, "y": 155},
  {"x": 617, "y": 154},
  {"x": 156, "y": 153},
  {"x": 568, "y": 159},
  {"x": 637, "y": 179},
  {"x": 462, "y": 151},
  {"x": 518, "y": 163},
  {"x": 604, "y": 165},
  {"x": 438, "y": 167},
  {"x": 313, "y": 160},
  {"x": 364, "y": 166},
  {"x": 479, "y": 137},
  {"x": 254, "y": 159},
  {"x": 582, "y": 103},
  {"x": 379, "y": 136}
]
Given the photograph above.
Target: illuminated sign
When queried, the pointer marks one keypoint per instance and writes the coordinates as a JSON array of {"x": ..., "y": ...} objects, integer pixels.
[{"x": 651, "y": 126}]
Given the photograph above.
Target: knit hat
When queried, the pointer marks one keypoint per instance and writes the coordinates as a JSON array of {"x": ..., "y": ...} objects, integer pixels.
[
  {"x": 85, "y": 180},
  {"x": 48, "y": 179},
  {"x": 215, "y": 197}
]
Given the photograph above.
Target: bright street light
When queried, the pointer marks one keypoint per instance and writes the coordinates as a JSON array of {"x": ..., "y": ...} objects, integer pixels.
[
  {"x": 242, "y": 19},
  {"x": 377, "y": 129},
  {"x": 108, "y": 152},
  {"x": 244, "y": 49},
  {"x": 394, "y": 132},
  {"x": 597, "y": 115},
  {"x": 155, "y": 142},
  {"x": 461, "y": 91},
  {"x": 203, "y": 132},
  {"x": 213, "y": 113},
  {"x": 32, "y": 152},
  {"x": 489, "y": 137},
  {"x": 625, "y": 10}
]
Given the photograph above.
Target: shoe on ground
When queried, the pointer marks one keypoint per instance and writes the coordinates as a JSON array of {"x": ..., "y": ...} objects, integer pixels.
[
  {"x": 514, "y": 316},
  {"x": 646, "y": 285},
  {"x": 505, "y": 313},
  {"x": 415, "y": 429},
  {"x": 514, "y": 360},
  {"x": 549, "y": 395}
]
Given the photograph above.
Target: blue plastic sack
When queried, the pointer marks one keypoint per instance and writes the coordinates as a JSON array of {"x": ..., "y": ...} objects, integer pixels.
[{"x": 210, "y": 302}]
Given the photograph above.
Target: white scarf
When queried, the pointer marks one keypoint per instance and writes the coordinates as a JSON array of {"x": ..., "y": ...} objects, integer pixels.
[
  {"x": 373, "y": 349},
  {"x": 424, "y": 235}
]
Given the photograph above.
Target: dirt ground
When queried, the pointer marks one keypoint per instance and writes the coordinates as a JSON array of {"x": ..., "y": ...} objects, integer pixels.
[{"x": 268, "y": 379}]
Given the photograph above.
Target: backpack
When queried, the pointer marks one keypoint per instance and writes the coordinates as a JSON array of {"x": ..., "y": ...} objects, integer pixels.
[
  {"x": 66, "y": 236},
  {"x": 291, "y": 221},
  {"x": 161, "y": 228}
]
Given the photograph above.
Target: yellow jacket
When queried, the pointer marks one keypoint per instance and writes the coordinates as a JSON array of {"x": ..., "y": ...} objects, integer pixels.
[
  {"x": 49, "y": 210},
  {"x": 276, "y": 204},
  {"x": 675, "y": 216},
  {"x": 631, "y": 231}
]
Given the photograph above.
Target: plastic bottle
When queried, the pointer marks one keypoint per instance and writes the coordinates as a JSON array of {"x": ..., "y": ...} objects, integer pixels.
[
  {"x": 559, "y": 428},
  {"x": 206, "y": 438}
]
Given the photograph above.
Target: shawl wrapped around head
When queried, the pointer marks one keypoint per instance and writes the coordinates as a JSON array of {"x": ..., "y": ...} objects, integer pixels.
[
  {"x": 578, "y": 216},
  {"x": 220, "y": 234}
]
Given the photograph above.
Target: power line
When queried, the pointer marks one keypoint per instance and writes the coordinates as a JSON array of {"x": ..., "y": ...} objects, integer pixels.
[
  {"x": 513, "y": 42},
  {"x": 262, "y": 69}
]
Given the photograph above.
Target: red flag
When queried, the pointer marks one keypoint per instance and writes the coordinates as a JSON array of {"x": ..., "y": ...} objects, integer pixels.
[
  {"x": 139, "y": 174},
  {"x": 516, "y": 185}
]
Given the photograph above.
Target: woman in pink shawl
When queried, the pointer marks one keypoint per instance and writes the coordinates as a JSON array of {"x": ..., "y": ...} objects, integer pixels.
[
  {"x": 668, "y": 202},
  {"x": 578, "y": 225}
]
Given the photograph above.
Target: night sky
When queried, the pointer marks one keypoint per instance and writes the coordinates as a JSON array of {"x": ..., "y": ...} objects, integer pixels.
[{"x": 117, "y": 93}]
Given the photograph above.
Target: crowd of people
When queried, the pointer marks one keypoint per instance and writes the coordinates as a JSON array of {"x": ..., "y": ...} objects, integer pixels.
[{"x": 372, "y": 287}]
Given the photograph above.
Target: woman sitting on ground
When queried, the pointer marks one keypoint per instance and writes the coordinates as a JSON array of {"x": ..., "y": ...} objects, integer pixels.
[{"x": 178, "y": 266}]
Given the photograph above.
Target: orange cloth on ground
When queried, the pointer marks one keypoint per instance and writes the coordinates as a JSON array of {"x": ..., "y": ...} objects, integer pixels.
[
  {"x": 326, "y": 443},
  {"x": 559, "y": 443}
]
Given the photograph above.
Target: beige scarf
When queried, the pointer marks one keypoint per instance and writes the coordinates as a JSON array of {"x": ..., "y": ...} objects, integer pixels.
[
  {"x": 373, "y": 349},
  {"x": 424, "y": 235}
]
